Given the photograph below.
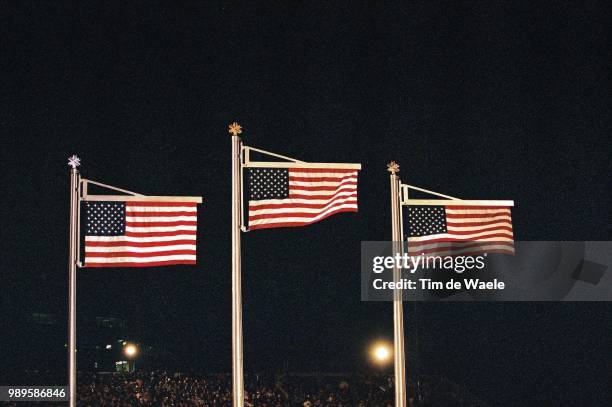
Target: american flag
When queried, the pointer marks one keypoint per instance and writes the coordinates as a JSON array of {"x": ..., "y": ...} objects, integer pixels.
[
  {"x": 459, "y": 230},
  {"x": 285, "y": 197},
  {"x": 139, "y": 234}
]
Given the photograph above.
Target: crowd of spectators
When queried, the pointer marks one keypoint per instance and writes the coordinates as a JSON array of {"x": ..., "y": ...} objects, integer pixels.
[
  {"x": 302, "y": 390},
  {"x": 192, "y": 390},
  {"x": 163, "y": 389}
]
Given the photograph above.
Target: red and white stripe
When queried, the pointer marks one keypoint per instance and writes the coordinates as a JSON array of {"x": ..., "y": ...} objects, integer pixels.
[
  {"x": 314, "y": 194},
  {"x": 471, "y": 230},
  {"x": 156, "y": 234}
]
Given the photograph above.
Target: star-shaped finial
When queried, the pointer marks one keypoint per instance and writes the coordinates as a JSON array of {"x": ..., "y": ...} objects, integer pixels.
[
  {"x": 393, "y": 167},
  {"x": 74, "y": 161},
  {"x": 235, "y": 129}
]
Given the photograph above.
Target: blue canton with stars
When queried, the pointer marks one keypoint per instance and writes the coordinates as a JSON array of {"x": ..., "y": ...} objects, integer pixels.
[
  {"x": 426, "y": 220},
  {"x": 105, "y": 218},
  {"x": 268, "y": 183}
]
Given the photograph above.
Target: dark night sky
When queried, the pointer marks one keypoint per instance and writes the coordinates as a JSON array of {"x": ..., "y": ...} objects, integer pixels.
[{"x": 474, "y": 99}]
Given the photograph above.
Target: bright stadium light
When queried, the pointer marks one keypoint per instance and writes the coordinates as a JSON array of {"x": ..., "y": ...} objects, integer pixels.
[
  {"x": 130, "y": 350},
  {"x": 381, "y": 353}
]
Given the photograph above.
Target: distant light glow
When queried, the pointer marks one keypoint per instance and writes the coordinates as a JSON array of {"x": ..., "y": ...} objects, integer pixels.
[
  {"x": 131, "y": 350},
  {"x": 381, "y": 352},
  {"x": 109, "y": 346}
]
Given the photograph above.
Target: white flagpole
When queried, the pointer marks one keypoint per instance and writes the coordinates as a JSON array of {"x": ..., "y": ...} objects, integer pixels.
[
  {"x": 73, "y": 255},
  {"x": 237, "y": 358},
  {"x": 398, "y": 311}
]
